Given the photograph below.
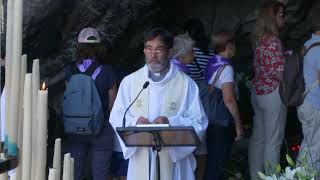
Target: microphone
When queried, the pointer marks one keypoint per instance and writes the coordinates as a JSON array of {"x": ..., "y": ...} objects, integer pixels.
[{"x": 145, "y": 85}]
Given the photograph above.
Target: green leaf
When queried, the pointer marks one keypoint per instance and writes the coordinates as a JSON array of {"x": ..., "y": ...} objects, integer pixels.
[
  {"x": 261, "y": 175},
  {"x": 268, "y": 168},
  {"x": 278, "y": 169},
  {"x": 300, "y": 176},
  {"x": 290, "y": 161}
]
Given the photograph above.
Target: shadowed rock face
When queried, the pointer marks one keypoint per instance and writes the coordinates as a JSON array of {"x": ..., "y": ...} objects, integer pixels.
[{"x": 51, "y": 26}]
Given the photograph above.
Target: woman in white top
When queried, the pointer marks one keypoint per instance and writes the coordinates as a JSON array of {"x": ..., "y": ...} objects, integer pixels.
[{"x": 224, "y": 129}]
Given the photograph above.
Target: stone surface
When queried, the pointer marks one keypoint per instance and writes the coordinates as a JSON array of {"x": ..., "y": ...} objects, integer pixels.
[{"x": 51, "y": 26}]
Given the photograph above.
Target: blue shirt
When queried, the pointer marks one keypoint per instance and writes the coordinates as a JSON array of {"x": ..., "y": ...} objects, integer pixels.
[{"x": 311, "y": 67}]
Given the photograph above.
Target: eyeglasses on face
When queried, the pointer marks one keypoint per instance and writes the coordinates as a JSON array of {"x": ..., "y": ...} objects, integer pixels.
[{"x": 157, "y": 50}]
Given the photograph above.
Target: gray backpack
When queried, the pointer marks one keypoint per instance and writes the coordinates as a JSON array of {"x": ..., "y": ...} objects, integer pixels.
[
  {"x": 82, "y": 108},
  {"x": 292, "y": 88}
]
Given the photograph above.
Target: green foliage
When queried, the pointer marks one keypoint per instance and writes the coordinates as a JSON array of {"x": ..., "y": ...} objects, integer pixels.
[{"x": 299, "y": 171}]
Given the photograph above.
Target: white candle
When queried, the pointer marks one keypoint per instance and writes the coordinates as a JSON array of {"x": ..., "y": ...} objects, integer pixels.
[
  {"x": 57, "y": 157},
  {"x": 4, "y": 176},
  {"x": 15, "y": 73},
  {"x": 27, "y": 115},
  {"x": 9, "y": 48},
  {"x": 35, "y": 88},
  {"x": 52, "y": 174},
  {"x": 20, "y": 119},
  {"x": 66, "y": 167},
  {"x": 72, "y": 169},
  {"x": 22, "y": 80},
  {"x": 42, "y": 135}
]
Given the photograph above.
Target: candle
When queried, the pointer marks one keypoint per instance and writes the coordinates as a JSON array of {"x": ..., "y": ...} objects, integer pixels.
[
  {"x": 4, "y": 176},
  {"x": 72, "y": 169},
  {"x": 27, "y": 116},
  {"x": 35, "y": 88},
  {"x": 57, "y": 157},
  {"x": 15, "y": 76},
  {"x": 52, "y": 174},
  {"x": 20, "y": 117},
  {"x": 66, "y": 167},
  {"x": 9, "y": 33},
  {"x": 8, "y": 64},
  {"x": 22, "y": 79},
  {"x": 42, "y": 135}
]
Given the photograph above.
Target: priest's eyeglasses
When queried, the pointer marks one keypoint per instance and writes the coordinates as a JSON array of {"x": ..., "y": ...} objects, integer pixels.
[{"x": 149, "y": 50}]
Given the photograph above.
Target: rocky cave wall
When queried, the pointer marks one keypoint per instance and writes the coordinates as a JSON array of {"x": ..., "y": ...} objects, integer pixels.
[{"x": 51, "y": 26}]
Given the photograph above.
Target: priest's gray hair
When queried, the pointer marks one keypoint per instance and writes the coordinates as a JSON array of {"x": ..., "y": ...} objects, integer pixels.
[{"x": 182, "y": 45}]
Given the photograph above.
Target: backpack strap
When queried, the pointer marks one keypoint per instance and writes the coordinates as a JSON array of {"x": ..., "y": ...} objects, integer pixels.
[
  {"x": 93, "y": 66},
  {"x": 317, "y": 82},
  {"x": 310, "y": 47}
]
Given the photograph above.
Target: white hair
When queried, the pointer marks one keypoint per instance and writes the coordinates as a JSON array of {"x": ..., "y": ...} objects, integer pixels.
[{"x": 182, "y": 45}]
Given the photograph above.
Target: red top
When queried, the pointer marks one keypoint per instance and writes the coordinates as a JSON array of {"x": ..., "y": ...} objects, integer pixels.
[{"x": 268, "y": 63}]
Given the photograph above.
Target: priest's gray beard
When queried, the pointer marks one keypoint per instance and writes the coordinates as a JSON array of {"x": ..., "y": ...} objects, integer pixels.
[
  {"x": 159, "y": 67},
  {"x": 158, "y": 71}
]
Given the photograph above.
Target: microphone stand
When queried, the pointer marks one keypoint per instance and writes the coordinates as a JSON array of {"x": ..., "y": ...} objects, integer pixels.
[{"x": 145, "y": 85}]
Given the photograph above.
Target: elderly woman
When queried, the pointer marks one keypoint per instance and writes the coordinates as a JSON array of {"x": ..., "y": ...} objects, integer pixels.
[
  {"x": 226, "y": 126},
  {"x": 270, "y": 114},
  {"x": 182, "y": 52}
]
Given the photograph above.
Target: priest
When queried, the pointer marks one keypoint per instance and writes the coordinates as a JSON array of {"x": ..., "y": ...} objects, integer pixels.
[{"x": 171, "y": 98}]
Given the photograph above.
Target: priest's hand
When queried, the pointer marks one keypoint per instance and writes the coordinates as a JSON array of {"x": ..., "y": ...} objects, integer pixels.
[
  {"x": 161, "y": 120},
  {"x": 142, "y": 120}
]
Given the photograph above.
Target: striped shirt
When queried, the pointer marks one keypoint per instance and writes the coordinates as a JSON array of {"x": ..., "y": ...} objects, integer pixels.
[{"x": 195, "y": 73}]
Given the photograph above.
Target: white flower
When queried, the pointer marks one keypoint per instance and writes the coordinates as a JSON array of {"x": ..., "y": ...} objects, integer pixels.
[
  {"x": 289, "y": 174},
  {"x": 301, "y": 170},
  {"x": 273, "y": 177},
  {"x": 299, "y": 173}
]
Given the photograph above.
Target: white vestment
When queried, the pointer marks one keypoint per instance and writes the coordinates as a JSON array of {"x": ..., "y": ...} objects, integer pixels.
[{"x": 186, "y": 111}]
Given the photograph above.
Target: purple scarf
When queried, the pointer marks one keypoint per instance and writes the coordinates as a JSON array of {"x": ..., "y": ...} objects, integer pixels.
[
  {"x": 213, "y": 65},
  {"x": 85, "y": 65},
  {"x": 181, "y": 67}
]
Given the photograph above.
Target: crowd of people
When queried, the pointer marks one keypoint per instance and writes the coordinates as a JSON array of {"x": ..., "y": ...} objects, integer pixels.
[{"x": 175, "y": 66}]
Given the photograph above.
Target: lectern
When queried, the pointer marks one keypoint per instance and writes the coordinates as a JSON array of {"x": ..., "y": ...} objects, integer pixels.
[{"x": 157, "y": 137}]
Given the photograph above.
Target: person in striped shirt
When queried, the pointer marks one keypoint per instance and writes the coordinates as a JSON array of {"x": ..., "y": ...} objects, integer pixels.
[{"x": 195, "y": 29}]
